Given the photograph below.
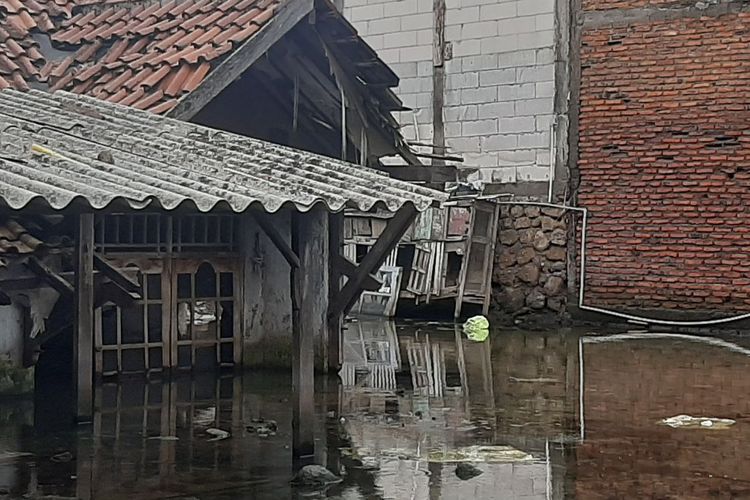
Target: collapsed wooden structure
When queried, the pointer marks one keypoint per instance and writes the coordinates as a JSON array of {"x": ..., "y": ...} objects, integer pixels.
[
  {"x": 447, "y": 254},
  {"x": 190, "y": 246}
]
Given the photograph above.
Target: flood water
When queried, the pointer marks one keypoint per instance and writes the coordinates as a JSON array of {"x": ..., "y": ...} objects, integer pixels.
[{"x": 544, "y": 415}]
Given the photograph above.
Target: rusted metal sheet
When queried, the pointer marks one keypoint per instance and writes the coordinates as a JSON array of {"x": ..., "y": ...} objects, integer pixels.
[{"x": 64, "y": 149}]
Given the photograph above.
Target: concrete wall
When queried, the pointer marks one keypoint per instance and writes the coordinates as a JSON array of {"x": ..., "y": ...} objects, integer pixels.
[
  {"x": 267, "y": 329},
  {"x": 14, "y": 378},
  {"x": 500, "y": 76}
]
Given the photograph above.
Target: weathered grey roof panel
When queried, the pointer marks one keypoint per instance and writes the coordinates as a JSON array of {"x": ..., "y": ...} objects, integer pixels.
[{"x": 60, "y": 149}]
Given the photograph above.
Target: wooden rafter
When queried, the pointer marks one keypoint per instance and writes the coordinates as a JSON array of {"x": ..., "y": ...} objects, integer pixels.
[
  {"x": 122, "y": 281},
  {"x": 277, "y": 239},
  {"x": 231, "y": 68}
]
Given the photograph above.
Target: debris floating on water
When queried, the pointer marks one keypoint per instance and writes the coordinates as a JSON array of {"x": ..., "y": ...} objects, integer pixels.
[
  {"x": 477, "y": 328},
  {"x": 466, "y": 471},
  {"x": 690, "y": 422},
  {"x": 218, "y": 434},
  {"x": 63, "y": 457},
  {"x": 163, "y": 438},
  {"x": 262, "y": 427},
  {"x": 315, "y": 476},
  {"x": 205, "y": 417}
]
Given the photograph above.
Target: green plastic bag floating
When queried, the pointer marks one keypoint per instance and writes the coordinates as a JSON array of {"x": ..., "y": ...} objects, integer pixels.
[{"x": 477, "y": 328}]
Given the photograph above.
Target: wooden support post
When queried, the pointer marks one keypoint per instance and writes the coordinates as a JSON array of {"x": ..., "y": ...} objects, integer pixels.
[
  {"x": 348, "y": 268},
  {"x": 388, "y": 240},
  {"x": 309, "y": 307},
  {"x": 335, "y": 323},
  {"x": 83, "y": 348}
]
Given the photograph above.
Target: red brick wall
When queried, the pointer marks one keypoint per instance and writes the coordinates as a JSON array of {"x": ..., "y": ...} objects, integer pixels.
[
  {"x": 630, "y": 4},
  {"x": 664, "y": 159}
]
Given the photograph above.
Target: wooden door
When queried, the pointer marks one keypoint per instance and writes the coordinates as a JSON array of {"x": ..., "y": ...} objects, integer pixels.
[
  {"x": 188, "y": 318},
  {"x": 205, "y": 316}
]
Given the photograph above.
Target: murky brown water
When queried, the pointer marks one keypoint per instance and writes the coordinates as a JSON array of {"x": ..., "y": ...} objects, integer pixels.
[{"x": 414, "y": 399}]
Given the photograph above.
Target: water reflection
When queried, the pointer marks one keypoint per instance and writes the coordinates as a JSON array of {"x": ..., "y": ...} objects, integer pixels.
[{"x": 553, "y": 414}]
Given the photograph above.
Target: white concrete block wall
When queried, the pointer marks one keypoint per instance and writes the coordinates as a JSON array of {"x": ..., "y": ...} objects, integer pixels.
[
  {"x": 499, "y": 83},
  {"x": 401, "y": 32}
]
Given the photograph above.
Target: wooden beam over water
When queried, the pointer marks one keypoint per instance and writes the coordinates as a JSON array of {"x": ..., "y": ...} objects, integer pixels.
[{"x": 375, "y": 258}]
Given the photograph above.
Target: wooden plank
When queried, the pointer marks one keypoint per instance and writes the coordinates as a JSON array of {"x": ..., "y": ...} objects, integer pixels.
[
  {"x": 490, "y": 263},
  {"x": 241, "y": 59},
  {"x": 432, "y": 175},
  {"x": 83, "y": 350},
  {"x": 50, "y": 277},
  {"x": 335, "y": 324},
  {"x": 121, "y": 280},
  {"x": 348, "y": 268},
  {"x": 276, "y": 238},
  {"x": 375, "y": 258}
]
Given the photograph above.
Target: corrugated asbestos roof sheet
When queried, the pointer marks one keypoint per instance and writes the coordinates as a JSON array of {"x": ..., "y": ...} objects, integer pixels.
[{"x": 62, "y": 149}]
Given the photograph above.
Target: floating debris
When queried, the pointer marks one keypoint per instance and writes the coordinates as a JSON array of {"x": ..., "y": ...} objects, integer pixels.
[
  {"x": 689, "y": 422},
  {"x": 262, "y": 427},
  {"x": 315, "y": 476},
  {"x": 218, "y": 434},
  {"x": 469, "y": 454},
  {"x": 483, "y": 454},
  {"x": 63, "y": 457},
  {"x": 205, "y": 417},
  {"x": 10, "y": 456},
  {"x": 477, "y": 328},
  {"x": 466, "y": 471},
  {"x": 163, "y": 438}
]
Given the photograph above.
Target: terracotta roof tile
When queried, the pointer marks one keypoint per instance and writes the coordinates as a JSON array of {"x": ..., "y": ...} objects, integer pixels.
[
  {"x": 7, "y": 65},
  {"x": 192, "y": 82},
  {"x": 208, "y": 36},
  {"x": 87, "y": 51},
  {"x": 118, "y": 96},
  {"x": 62, "y": 82},
  {"x": 228, "y": 19},
  {"x": 60, "y": 69},
  {"x": 133, "y": 97},
  {"x": 116, "y": 50},
  {"x": 146, "y": 55},
  {"x": 4, "y": 84},
  {"x": 87, "y": 73},
  {"x": 149, "y": 100},
  {"x": 13, "y": 6},
  {"x": 175, "y": 83},
  {"x": 156, "y": 76},
  {"x": 164, "y": 106}
]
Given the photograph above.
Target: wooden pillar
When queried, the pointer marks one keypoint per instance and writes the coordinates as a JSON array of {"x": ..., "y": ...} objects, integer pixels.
[
  {"x": 335, "y": 322},
  {"x": 309, "y": 309},
  {"x": 83, "y": 349}
]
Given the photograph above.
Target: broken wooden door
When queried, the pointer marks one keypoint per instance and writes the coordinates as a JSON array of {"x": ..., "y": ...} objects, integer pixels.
[
  {"x": 476, "y": 274},
  {"x": 188, "y": 318},
  {"x": 132, "y": 339},
  {"x": 205, "y": 318}
]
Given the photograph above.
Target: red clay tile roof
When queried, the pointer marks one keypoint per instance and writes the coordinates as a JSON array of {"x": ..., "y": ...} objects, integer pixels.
[{"x": 141, "y": 53}]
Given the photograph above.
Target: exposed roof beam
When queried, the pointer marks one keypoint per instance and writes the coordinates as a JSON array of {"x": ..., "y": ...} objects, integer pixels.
[{"x": 233, "y": 66}]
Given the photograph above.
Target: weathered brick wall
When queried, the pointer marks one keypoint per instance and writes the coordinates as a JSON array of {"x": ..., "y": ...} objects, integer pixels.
[
  {"x": 664, "y": 161},
  {"x": 632, "y": 4}
]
